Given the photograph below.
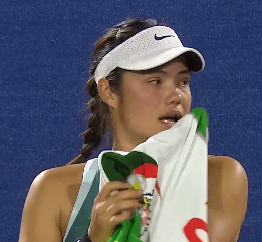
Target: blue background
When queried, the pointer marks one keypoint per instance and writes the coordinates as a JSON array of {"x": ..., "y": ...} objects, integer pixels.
[{"x": 45, "y": 49}]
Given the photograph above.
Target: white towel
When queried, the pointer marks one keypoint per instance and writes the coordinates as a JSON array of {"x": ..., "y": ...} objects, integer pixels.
[{"x": 179, "y": 212}]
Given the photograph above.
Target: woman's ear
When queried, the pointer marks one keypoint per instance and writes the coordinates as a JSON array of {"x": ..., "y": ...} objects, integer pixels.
[{"x": 106, "y": 94}]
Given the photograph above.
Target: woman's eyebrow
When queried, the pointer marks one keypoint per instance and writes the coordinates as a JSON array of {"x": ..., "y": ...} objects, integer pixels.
[
  {"x": 157, "y": 71},
  {"x": 184, "y": 72}
]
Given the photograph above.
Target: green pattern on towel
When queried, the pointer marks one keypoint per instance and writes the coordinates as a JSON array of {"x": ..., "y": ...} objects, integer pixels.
[
  {"x": 202, "y": 117},
  {"x": 127, "y": 231}
]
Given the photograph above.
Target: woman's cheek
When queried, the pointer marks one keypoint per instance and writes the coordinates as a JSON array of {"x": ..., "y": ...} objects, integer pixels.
[{"x": 187, "y": 100}]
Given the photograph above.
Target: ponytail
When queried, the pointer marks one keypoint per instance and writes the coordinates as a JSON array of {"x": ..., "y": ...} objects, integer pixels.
[{"x": 97, "y": 123}]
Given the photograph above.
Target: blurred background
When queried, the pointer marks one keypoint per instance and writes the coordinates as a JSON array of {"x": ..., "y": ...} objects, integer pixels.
[{"x": 45, "y": 49}]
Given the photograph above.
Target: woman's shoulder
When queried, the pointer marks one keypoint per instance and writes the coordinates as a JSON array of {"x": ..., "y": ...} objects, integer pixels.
[
  {"x": 60, "y": 180},
  {"x": 65, "y": 181},
  {"x": 223, "y": 162},
  {"x": 64, "y": 174},
  {"x": 50, "y": 200},
  {"x": 227, "y": 197},
  {"x": 61, "y": 176},
  {"x": 226, "y": 170}
]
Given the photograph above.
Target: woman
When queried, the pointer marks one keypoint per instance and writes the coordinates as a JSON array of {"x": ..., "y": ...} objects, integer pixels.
[{"x": 127, "y": 100}]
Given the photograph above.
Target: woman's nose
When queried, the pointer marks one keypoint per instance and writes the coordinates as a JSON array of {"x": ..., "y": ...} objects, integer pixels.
[{"x": 174, "y": 97}]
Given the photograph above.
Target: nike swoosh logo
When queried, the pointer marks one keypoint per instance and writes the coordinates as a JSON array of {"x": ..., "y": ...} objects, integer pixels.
[{"x": 162, "y": 37}]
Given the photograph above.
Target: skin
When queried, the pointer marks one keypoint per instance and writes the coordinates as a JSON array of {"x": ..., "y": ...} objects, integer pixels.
[
  {"x": 146, "y": 98},
  {"x": 135, "y": 116}
]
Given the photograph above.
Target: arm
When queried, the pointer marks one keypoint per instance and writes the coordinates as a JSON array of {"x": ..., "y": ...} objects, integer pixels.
[
  {"x": 41, "y": 214},
  {"x": 227, "y": 216}
]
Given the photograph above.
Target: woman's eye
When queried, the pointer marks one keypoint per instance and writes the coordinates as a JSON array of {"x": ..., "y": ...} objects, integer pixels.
[
  {"x": 155, "y": 81},
  {"x": 185, "y": 83}
]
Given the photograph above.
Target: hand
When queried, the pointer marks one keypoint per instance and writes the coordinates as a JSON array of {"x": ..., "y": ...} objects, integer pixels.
[{"x": 114, "y": 204}]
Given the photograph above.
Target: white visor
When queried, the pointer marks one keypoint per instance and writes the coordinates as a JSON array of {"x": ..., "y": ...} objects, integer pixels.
[{"x": 147, "y": 49}]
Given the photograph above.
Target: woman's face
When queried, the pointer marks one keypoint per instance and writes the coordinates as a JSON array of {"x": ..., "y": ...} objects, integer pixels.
[{"x": 147, "y": 97}]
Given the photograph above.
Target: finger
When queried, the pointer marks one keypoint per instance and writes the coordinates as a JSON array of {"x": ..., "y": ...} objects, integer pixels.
[
  {"x": 126, "y": 194},
  {"x": 116, "y": 219},
  {"x": 113, "y": 193},
  {"x": 110, "y": 187},
  {"x": 121, "y": 206},
  {"x": 101, "y": 207},
  {"x": 100, "y": 204}
]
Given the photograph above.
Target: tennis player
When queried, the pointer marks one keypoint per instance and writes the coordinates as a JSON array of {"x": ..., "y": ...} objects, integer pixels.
[{"x": 139, "y": 86}]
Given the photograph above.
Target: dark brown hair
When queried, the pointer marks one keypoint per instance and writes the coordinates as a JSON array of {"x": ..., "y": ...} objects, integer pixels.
[{"x": 99, "y": 119}]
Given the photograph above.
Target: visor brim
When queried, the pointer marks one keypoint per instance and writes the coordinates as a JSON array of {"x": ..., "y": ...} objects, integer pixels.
[{"x": 154, "y": 58}]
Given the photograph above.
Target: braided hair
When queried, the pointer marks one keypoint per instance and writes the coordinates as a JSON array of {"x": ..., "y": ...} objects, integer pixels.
[{"x": 99, "y": 120}]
